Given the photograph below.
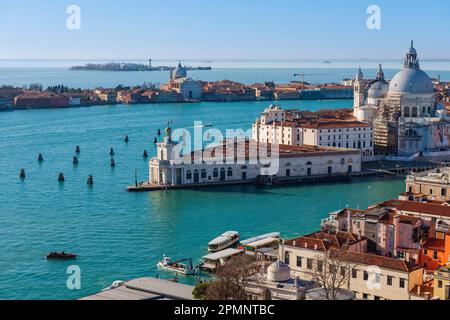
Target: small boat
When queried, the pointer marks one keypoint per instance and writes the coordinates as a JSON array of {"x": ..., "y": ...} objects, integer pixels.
[
  {"x": 275, "y": 235},
  {"x": 223, "y": 242},
  {"x": 114, "y": 285},
  {"x": 183, "y": 266},
  {"x": 61, "y": 255}
]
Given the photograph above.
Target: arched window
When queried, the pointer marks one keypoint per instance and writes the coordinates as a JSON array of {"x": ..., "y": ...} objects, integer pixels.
[
  {"x": 406, "y": 112},
  {"x": 309, "y": 163},
  {"x": 244, "y": 167},
  {"x": 188, "y": 175},
  {"x": 215, "y": 173},
  {"x": 230, "y": 172},
  {"x": 414, "y": 112},
  {"x": 288, "y": 164},
  {"x": 411, "y": 133},
  {"x": 203, "y": 174}
]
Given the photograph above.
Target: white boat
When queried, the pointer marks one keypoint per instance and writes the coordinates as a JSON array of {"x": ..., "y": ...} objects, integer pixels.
[
  {"x": 223, "y": 242},
  {"x": 261, "y": 237},
  {"x": 183, "y": 266},
  {"x": 115, "y": 285}
]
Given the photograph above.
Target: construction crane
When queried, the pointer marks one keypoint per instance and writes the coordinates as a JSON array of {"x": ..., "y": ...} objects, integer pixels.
[{"x": 302, "y": 75}]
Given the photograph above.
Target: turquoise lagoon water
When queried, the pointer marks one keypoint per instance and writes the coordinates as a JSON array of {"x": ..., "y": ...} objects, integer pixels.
[{"x": 120, "y": 235}]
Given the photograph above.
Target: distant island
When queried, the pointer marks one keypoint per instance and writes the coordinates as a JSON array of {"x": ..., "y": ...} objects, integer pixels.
[{"x": 127, "y": 67}]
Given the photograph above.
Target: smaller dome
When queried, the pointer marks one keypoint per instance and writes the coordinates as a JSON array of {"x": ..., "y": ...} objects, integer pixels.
[
  {"x": 412, "y": 50},
  {"x": 278, "y": 272},
  {"x": 179, "y": 72},
  {"x": 378, "y": 89}
]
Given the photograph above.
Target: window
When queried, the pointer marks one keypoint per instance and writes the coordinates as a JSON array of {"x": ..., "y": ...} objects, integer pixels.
[
  {"x": 189, "y": 175},
  {"x": 286, "y": 257},
  {"x": 319, "y": 266},
  {"x": 389, "y": 280},
  {"x": 309, "y": 263},
  {"x": 425, "y": 252},
  {"x": 366, "y": 276},
  {"x": 215, "y": 173},
  {"x": 365, "y": 296},
  {"x": 443, "y": 192},
  {"x": 299, "y": 262},
  {"x": 435, "y": 255},
  {"x": 402, "y": 283},
  {"x": 354, "y": 274},
  {"x": 230, "y": 172},
  {"x": 343, "y": 271},
  {"x": 203, "y": 175},
  {"x": 440, "y": 284},
  {"x": 376, "y": 298}
]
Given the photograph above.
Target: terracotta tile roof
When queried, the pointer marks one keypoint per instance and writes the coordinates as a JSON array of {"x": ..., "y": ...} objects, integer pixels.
[
  {"x": 425, "y": 208},
  {"x": 323, "y": 241},
  {"x": 380, "y": 261},
  {"x": 434, "y": 244},
  {"x": 335, "y": 124}
]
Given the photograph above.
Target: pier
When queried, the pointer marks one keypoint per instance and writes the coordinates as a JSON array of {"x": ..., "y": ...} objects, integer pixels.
[{"x": 145, "y": 289}]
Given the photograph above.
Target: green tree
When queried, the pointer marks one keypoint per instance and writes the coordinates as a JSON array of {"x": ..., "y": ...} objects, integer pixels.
[{"x": 200, "y": 291}]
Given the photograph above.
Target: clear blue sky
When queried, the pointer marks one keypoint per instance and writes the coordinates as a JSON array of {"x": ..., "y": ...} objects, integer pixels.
[{"x": 223, "y": 29}]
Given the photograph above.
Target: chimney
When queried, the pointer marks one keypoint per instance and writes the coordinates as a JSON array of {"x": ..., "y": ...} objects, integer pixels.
[
  {"x": 294, "y": 244},
  {"x": 306, "y": 245},
  {"x": 418, "y": 290},
  {"x": 349, "y": 222},
  {"x": 315, "y": 247}
]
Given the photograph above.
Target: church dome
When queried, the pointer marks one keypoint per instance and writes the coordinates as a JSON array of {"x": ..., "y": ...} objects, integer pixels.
[
  {"x": 278, "y": 272},
  {"x": 378, "y": 89},
  {"x": 179, "y": 72},
  {"x": 411, "y": 80}
]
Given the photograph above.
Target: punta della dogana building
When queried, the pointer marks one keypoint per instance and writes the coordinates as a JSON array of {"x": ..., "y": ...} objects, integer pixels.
[{"x": 240, "y": 161}]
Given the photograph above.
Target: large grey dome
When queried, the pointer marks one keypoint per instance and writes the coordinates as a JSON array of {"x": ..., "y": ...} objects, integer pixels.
[{"x": 411, "y": 80}]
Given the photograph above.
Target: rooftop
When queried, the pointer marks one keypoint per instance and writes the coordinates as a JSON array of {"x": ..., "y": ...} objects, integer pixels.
[
  {"x": 146, "y": 289},
  {"x": 324, "y": 241},
  {"x": 253, "y": 150}
]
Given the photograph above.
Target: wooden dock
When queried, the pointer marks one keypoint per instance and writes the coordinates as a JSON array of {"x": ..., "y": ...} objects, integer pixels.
[{"x": 146, "y": 289}]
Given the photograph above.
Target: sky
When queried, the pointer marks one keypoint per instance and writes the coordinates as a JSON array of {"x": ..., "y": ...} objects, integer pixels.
[{"x": 223, "y": 29}]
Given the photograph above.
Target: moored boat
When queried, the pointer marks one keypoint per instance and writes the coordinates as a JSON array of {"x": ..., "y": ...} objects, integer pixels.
[
  {"x": 183, "y": 266},
  {"x": 61, "y": 255},
  {"x": 261, "y": 237},
  {"x": 225, "y": 241}
]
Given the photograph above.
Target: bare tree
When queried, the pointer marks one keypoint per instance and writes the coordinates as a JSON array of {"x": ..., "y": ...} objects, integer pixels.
[
  {"x": 233, "y": 278},
  {"x": 334, "y": 272}
]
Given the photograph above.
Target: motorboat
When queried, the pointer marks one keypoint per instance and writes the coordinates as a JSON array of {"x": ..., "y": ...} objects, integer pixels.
[
  {"x": 61, "y": 255},
  {"x": 183, "y": 266},
  {"x": 225, "y": 241}
]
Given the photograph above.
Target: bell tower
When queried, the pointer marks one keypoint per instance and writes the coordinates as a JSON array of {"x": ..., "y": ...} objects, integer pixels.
[{"x": 359, "y": 85}]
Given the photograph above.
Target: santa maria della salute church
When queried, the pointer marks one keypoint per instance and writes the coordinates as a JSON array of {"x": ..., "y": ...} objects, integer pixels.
[{"x": 405, "y": 114}]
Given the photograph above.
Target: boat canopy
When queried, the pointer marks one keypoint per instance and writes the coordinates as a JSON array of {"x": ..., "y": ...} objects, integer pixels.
[
  {"x": 225, "y": 254},
  {"x": 224, "y": 238},
  {"x": 261, "y": 237}
]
